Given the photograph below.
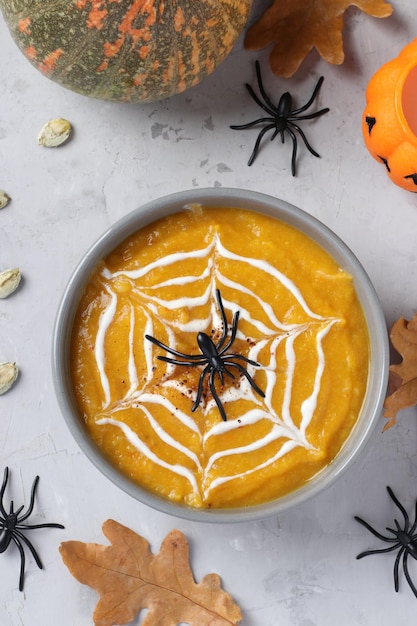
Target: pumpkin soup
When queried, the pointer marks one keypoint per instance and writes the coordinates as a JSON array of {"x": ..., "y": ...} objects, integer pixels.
[{"x": 208, "y": 415}]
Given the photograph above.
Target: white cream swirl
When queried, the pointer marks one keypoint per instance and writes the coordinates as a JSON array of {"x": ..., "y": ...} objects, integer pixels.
[{"x": 267, "y": 340}]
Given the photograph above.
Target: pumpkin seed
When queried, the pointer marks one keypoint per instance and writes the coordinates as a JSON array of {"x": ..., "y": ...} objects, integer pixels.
[
  {"x": 54, "y": 133},
  {"x": 9, "y": 282},
  {"x": 4, "y": 199},
  {"x": 8, "y": 375}
]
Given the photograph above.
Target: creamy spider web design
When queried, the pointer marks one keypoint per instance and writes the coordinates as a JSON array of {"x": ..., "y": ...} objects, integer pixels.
[{"x": 135, "y": 297}]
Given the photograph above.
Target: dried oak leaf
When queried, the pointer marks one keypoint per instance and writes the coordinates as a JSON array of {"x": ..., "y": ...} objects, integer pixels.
[
  {"x": 403, "y": 376},
  {"x": 297, "y": 26},
  {"x": 128, "y": 577}
]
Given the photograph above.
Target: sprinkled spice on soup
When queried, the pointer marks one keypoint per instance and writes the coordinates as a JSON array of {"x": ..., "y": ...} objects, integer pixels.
[{"x": 296, "y": 351}]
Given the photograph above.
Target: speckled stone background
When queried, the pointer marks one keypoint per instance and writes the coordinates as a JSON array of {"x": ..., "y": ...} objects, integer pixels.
[{"x": 295, "y": 570}]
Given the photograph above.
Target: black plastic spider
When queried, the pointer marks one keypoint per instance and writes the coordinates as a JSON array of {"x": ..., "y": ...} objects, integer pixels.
[
  {"x": 282, "y": 119},
  {"x": 11, "y": 527},
  {"x": 214, "y": 357},
  {"x": 404, "y": 539}
]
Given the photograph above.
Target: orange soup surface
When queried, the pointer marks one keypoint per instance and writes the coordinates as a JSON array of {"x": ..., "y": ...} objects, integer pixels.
[{"x": 271, "y": 424}]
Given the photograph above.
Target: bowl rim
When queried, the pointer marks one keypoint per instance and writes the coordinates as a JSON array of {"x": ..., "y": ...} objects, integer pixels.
[{"x": 283, "y": 211}]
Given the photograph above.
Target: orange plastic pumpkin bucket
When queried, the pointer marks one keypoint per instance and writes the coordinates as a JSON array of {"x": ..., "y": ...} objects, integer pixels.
[{"x": 389, "y": 121}]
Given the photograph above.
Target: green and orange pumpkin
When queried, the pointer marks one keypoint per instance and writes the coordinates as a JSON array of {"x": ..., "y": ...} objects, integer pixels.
[
  {"x": 389, "y": 121},
  {"x": 126, "y": 50}
]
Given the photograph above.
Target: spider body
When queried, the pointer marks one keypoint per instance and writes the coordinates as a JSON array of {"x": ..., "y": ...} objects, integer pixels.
[
  {"x": 214, "y": 357},
  {"x": 12, "y": 527},
  {"x": 281, "y": 118},
  {"x": 210, "y": 352},
  {"x": 283, "y": 110},
  {"x": 403, "y": 539}
]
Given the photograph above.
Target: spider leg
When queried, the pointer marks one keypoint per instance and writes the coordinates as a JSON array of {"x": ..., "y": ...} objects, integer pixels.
[
  {"x": 396, "y": 566},
  {"x": 18, "y": 510},
  {"x": 32, "y": 526},
  {"x": 258, "y": 100},
  {"x": 278, "y": 131},
  {"x": 313, "y": 97},
  {"x": 232, "y": 335},
  {"x": 310, "y": 116},
  {"x": 191, "y": 357},
  {"x": 224, "y": 371},
  {"x": 304, "y": 138},
  {"x": 2, "y": 490},
  {"x": 294, "y": 148},
  {"x": 399, "y": 529},
  {"x": 22, "y": 561},
  {"x": 402, "y": 509},
  {"x": 167, "y": 359},
  {"x": 21, "y": 537},
  {"x": 247, "y": 376},
  {"x": 200, "y": 388},
  {"x": 258, "y": 141},
  {"x": 261, "y": 120},
  {"x": 269, "y": 106},
  {"x": 224, "y": 320},
  {"x": 275, "y": 133},
  {"x": 414, "y": 526},
  {"x": 243, "y": 358},
  {"x": 380, "y": 551},
  {"x": 216, "y": 397},
  {"x": 375, "y": 532},
  {"x": 32, "y": 500},
  {"x": 407, "y": 575}
]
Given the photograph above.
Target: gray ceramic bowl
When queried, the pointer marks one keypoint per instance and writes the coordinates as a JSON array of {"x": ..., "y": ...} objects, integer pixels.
[{"x": 156, "y": 209}]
